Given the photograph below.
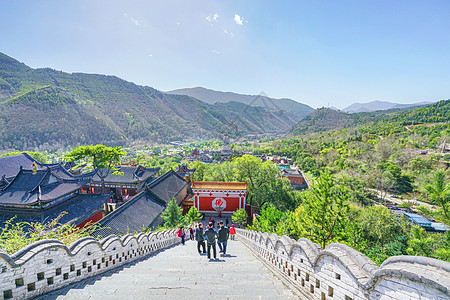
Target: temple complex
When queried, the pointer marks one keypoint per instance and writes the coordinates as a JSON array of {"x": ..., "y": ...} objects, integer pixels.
[{"x": 42, "y": 194}]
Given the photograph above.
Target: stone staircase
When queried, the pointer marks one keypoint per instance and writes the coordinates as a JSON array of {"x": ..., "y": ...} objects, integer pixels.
[{"x": 181, "y": 273}]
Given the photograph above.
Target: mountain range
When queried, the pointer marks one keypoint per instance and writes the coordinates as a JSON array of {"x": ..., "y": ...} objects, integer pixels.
[
  {"x": 44, "y": 109},
  {"x": 325, "y": 119},
  {"x": 211, "y": 96},
  {"x": 379, "y": 105}
]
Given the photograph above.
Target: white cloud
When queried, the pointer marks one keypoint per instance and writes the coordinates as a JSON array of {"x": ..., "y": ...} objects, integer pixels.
[
  {"x": 212, "y": 18},
  {"x": 228, "y": 33},
  {"x": 238, "y": 19},
  {"x": 150, "y": 55},
  {"x": 136, "y": 22},
  {"x": 215, "y": 51}
]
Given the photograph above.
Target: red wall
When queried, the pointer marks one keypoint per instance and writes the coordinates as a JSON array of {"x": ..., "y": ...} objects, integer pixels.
[
  {"x": 294, "y": 179},
  {"x": 93, "y": 219}
]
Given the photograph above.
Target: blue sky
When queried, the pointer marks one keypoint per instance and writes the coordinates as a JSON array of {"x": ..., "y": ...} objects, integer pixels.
[{"x": 316, "y": 52}]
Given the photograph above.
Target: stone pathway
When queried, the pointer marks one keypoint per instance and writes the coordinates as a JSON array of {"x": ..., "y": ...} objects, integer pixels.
[{"x": 181, "y": 273}]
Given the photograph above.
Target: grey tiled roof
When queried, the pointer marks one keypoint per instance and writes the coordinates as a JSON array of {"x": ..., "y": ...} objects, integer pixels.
[
  {"x": 130, "y": 175},
  {"x": 183, "y": 171},
  {"x": 143, "y": 209},
  {"x": 46, "y": 185},
  {"x": 77, "y": 208},
  {"x": 290, "y": 172},
  {"x": 167, "y": 186},
  {"x": 139, "y": 212},
  {"x": 10, "y": 165}
]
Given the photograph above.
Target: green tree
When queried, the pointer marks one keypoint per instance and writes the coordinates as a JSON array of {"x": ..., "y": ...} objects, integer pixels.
[
  {"x": 269, "y": 220},
  {"x": 200, "y": 170},
  {"x": 439, "y": 192},
  {"x": 326, "y": 210},
  {"x": 101, "y": 158},
  {"x": 192, "y": 216},
  {"x": 173, "y": 215},
  {"x": 429, "y": 245},
  {"x": 240, "y": 217},
  {"x": 379, "y": 226}
]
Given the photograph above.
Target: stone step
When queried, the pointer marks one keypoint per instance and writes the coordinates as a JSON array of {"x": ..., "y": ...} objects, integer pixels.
[{"x": 181, "y": 273}]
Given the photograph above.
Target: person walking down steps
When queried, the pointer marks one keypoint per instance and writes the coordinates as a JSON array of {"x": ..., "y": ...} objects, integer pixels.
[
  {"x": 222, "y": 238},
  {"x": 211, "y": 235},
  {"x": 232, "y": 232},
  {"x": 200, "y": 238},
  {"x": 181, "y": 234}
]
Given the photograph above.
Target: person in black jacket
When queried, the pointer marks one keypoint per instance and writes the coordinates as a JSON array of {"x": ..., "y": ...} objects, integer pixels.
[
  {"x": 222, "y": 237},
  {"x": 200, "y": 238},
  {"x": 211, "y": 235}
]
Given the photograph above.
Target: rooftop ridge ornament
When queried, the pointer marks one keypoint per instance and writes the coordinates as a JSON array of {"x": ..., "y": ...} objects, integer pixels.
[{"x": 34, "y": 167}]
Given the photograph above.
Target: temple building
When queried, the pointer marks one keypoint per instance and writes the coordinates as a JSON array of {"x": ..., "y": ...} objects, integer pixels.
[
  {"x": 144, "y": 209},
  {"x": 217, "y": 199},
  {"x": 129, "y": 181},
  {"x": 42, "y": 194},
  {"x": 295, "y": 177},
  {"x": 184, "y": 172}
]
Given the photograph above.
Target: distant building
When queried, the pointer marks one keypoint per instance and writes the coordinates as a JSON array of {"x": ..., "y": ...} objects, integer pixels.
[
  {"x": 276, "y": 159},
  {"x": 125, "y": 185},
  {"x": 418, "y": 220},
  {"x": 184, "y": 172},
  {"x": 225, "y": 153},
  {"x": 295, "y": 177},
  {"x": 217, "y": 199}
]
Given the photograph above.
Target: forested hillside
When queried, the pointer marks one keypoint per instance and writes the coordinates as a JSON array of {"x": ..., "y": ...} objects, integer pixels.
[
  {"x": 45, "y": 109},
  {"x": 324, "y": 119}
]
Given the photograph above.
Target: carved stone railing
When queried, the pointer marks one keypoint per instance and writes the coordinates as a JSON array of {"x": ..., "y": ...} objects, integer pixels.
[
  {"x": 48, "y": 265},
  {"x": 340, "y": 272}
]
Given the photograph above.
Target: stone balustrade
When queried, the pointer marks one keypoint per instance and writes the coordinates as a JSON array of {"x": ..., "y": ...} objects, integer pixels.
[
  {"x": 340, "y": 272},
  {"x": 48, "y": 265}
]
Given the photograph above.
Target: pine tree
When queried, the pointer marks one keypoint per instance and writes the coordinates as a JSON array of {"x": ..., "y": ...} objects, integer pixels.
[
  {"x": 193, "y": 216},
  {"x": 239, "y": 217},
  {"x": 172, "y": 215},
  {"x": 326, "y": 210}
]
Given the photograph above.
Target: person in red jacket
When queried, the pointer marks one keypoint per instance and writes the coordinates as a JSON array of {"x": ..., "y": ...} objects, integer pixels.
[
  {"x": 181, "y": 234},
  {"x": 232, "y": 232}
]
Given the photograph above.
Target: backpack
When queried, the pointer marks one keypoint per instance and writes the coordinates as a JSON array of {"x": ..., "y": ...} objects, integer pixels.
[{"x": 179, "y": 233}]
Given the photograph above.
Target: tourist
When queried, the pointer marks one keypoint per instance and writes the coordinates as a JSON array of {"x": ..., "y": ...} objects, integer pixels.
[
  {"x": 199, "y": 237},
  {"x": 232, "y": 232},
  {"x": 181, "y": 234},
  {"x": 191, "y": 233},
  {"x": 211, "y": 235},
  {"x": 222, "y": 237}
]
